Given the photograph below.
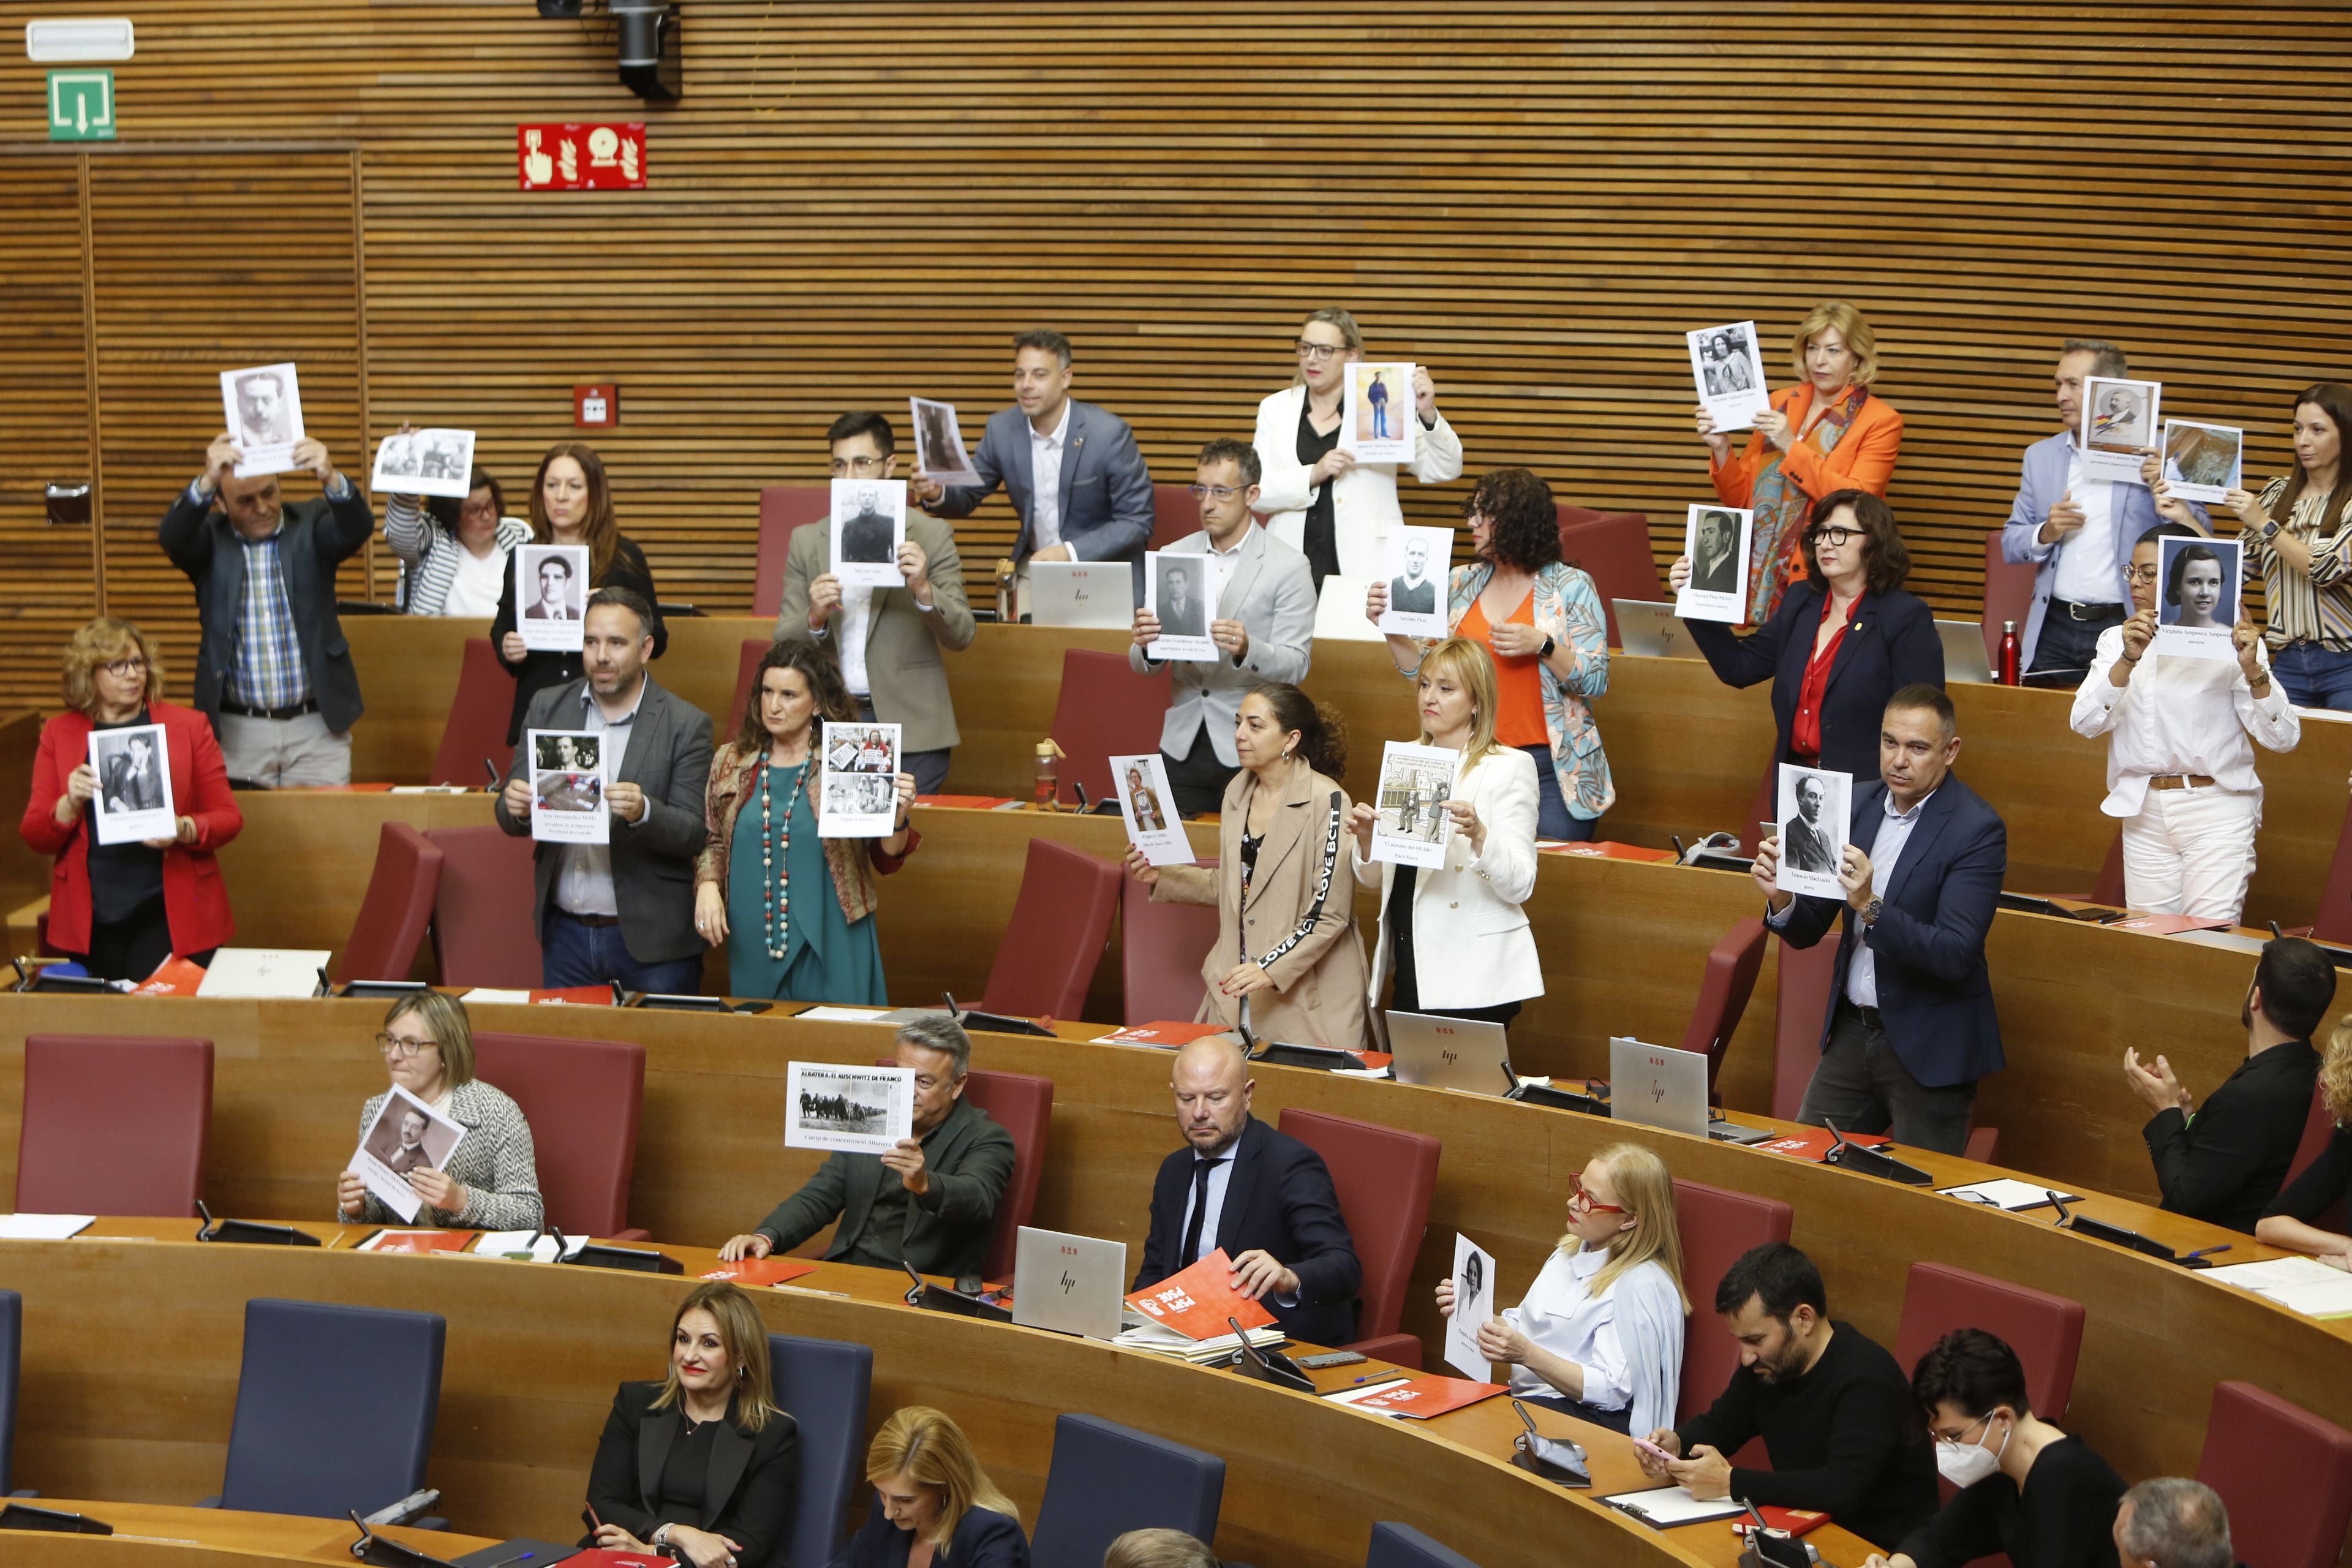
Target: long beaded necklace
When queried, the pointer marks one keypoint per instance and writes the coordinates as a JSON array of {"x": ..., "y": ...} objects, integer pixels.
[{"x": 776, "y": 890}]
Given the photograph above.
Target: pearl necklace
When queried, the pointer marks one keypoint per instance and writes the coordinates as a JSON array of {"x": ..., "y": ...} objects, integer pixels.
[{"x": 776, "y": 893}]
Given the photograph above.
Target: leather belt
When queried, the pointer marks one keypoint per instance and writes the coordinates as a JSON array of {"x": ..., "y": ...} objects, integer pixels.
[
  {"x": 601, "y": 922},
  {"x": 2179, "y": 781},
  {"x": 2074, "y": 611},
  {"x": 1872, "y": 1018},
  {"x": 291, "y": 711}
]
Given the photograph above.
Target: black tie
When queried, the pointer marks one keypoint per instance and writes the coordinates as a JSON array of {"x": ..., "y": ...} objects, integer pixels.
[{"x": 1192, "y": 1253}]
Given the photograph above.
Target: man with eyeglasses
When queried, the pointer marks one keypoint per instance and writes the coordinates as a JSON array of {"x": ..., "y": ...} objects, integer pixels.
[
  {"x": 1070, "y": 469},
  {"x": 930, "y": 1202},
  {"x": 889, "y": 639},
  {"x": 1263, "y": 624},
  {"x": 2077, "y": 533}
]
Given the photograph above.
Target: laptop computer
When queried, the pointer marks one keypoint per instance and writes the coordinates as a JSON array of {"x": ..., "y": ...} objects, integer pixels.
[
  {"x": 1651, "y": 628},
  {"x": 1449, "y": 1053},
  {"x": 1664, "y": 1086},
  {"x": 1339, "y": 611},
  {"x": 1099, "y": 593},
  {"x": 1071, "y": 1284},
  {"x": 1965, "y": 663}
]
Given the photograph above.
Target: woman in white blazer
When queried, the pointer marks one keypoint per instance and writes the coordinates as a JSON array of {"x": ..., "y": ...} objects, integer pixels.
[
  {"x": 1315, "y": 498},
  {"x": 1455, "y": 941}
]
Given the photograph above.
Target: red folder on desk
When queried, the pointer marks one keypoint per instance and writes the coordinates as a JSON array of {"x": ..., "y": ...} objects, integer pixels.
[
  {"x": 1197, "y": 1301},
  {"x": 417, "y": 1241},
  {"x": 1794, "y": 1520},
  {"x": 1164, "y": 1032},
  {"x": 762, "y": 1270},
  {"x": 2169, "y": 925},
  {"x": 1814, "y": 1142},
  {"x": 1606, "y": 850},
  {"x": 1422, "y": 1398}
]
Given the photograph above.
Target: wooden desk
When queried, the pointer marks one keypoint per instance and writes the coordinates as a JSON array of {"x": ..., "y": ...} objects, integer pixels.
[
  {"x": 288, "y": 1077},
  {"x": 164, "y": 1535},
  {"x": 1685, "y": 751},
  {"x": 534, "y": 1352}
]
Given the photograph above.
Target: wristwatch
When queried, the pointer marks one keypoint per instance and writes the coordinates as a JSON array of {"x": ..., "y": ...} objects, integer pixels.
[
  {"x": 1544, "y": 651},
  {"x": 1870, "y": 910}
]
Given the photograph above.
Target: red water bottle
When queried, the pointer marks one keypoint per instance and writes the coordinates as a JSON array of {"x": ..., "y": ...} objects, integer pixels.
[{"x": 2009, "y": 653}]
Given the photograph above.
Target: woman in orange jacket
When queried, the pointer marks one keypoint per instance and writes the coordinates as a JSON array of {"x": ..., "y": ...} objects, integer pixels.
[{"x": 1826, "y": 434}]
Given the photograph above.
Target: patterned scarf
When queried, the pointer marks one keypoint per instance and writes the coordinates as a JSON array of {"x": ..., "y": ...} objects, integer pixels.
[{"x": 1778, "y": 555}]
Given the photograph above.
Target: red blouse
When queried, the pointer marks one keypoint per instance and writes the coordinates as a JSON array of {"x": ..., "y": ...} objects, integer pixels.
[{"x": 1805, "y": 733}]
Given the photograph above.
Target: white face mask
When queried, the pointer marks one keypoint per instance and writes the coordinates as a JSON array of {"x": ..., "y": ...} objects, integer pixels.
[{"x": 1964, "y": 1466}]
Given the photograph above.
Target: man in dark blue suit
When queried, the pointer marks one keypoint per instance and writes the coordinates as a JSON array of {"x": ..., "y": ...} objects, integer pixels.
[
  {"x": 1911, "y": 1025},
  {"x": 1266, "y": 1198},
  {"x": 1071, "y": 469}
]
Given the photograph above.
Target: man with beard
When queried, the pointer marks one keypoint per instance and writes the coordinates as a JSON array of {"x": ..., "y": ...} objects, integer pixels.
[{"x": 1831, "y": 1404}]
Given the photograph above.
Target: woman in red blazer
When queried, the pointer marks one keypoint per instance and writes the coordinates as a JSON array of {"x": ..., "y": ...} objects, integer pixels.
[{"x": 123, "y": 909}]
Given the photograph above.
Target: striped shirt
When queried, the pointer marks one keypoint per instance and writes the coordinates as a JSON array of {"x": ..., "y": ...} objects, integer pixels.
[
  {"x": 2313, "y": 607},
  {"x": 268, "y": 670},
  {"x": 430, "y": 552}
]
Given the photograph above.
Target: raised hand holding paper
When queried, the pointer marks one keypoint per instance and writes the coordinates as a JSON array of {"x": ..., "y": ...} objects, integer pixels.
[
  {"x": 132, "y": 802},
  {"x": 1152, "y": 823},
  {"x": 859, "y": 1110},
  {"x": 939, "y": 443},
  {"x": 857, "y": 789},
  {"x": 425, "y": 463},
  {"x": 1813, "y": 817},
  {"x": 1716, "y": 538},
  {"x": 1474, "y": 1304},
  {"x": 2203, "y": 462},
  {"x": 550, "y": 591},
  {"x": 567, "y": 787},
  {"x": 2119, "y": 423},
  {"x": 1378, "y": 421},
  {"x": 1729, "y": 373},
  {"x": 2196, "y": 588},
  {"x": 869, "y": 523},
  {"x": 406, "y": 1135},
  {"x": 262, "y": 407},
  {"x": 1182, "y": 588},
  {"x": 1416, "y": 571},
  {"x": 1411, "y": 823}
]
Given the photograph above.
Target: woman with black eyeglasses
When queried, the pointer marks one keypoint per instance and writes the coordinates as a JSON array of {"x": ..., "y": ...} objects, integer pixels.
[
  {"x": 1842, "y": 642},
  {"x": 491, "y": 1182}
]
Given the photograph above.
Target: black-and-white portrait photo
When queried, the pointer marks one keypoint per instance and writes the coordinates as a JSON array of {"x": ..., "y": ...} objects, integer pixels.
[
  {"x": 398, "y": 458},
  {"x": 1728, "y": 374},
  {"x": 130, "y": 771},
  {"x": 855, "y": 1109},
  {"x": 1805, "y": 841},
  {"x": 566, "y": 753},
  {"x": 407, "y": 1137},
  {"x": 1414, "y": 591},
  {"x": 1812, "y": 822},
  {"x": 1182, "y": 612},
  {"x": 865, "y": 533},
  {"x": 265, "y": 410},
  {"x": 1715, "y": 556},
  {"x": 442, "y": 455},
  {"x": 555, "y": 586}
]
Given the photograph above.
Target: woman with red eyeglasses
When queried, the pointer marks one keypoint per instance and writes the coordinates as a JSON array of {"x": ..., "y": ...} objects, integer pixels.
[{"x": 1600, "y": 1332}]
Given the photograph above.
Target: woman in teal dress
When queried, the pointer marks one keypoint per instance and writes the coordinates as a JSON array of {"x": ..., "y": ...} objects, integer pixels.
[{"x": 796, "y": 911}]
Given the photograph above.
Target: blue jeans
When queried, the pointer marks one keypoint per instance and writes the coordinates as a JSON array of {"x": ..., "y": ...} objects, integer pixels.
[
  {"x": 574, "y": 954},
  {"x": 1553, "y": 820},
  {"x": 2314, "y": 676}
]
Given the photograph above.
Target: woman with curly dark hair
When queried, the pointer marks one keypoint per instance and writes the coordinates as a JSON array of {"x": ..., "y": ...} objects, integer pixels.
[
  {"x": 1844, "y": 640},
  {"x": 1541, "y": 619}
]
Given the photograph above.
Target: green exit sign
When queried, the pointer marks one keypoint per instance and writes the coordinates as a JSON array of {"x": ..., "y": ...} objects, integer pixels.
[{"x": 81, "y": 105}]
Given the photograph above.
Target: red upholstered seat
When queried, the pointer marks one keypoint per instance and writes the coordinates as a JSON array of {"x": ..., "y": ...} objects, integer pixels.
[
  {"x": 476, "y": 728},
  {"x": 1765, "y": 808},
  {"x": 1384, "y": 1178},
  {"x": 1061, "y": 923},
  {"x": 1807, "y": 973},
  {"x": 754, "y": 650},
  {"x": 1104, "y": 710},
  {"x": 1723, "y": 992},
  {"x": 2008, "y": 596},
  {"x": 2285, "y": 1474},
  {"x": 2318, "y": 1129},
  {"x": 581, "y": 1097},
  {"x": 1614, "y": 549},
  {"x": 114, "y": 1125},
  {"x": 2046, "y": 1331},
  {"x": 484, "y": 930},
  {"x": 1174, "y": 514},
  {"x": 397, "y": 908},
  {"x": 1160, "y": 952},
  {"x": 1717, "y": 1226},
  {"x": 782, "y": 507},
  {"x": 1984, "y": 1146},
  {"x": 1023, "y": 1104},
  {"x": 2334, "y": 920}
]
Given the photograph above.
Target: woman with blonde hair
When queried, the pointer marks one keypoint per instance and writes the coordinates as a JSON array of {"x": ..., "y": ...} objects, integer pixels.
[
  {"x": 1600, "y": 1332},
  {"x": 1318, "y": 500},
  {"x": 720, "y": 1490},
  {"x": 491, "y": 1182},
  {"x": 1159, "y": 1548},
  {"x": 1825, "y": 433},
  {"x": 2323, "y": 1191},
  {"x": 1472, "y": 955},
  {"x": 121, "y": 909},
  {"x": 932, "y": 1502},
  {"x": 570, "y": 503}
]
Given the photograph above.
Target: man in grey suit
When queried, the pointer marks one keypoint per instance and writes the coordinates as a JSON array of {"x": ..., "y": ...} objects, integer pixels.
[
  {"x": 889, "y": 640},
  {"x": 1071, "y": 469},
  {"x": 1265, "y": 631},
  {"x": 624, "y": 911}
]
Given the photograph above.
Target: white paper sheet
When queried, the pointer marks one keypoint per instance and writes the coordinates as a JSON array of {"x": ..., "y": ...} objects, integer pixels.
[
  {"x": 1813, "y": 840},
  {"x": 1728, "y": 374},
  {"x": 569, "y": 782},
  {"x": 551, "y": 595},
  {"x": 2005, "y": 1194},
  {"x": 268, "y": 971},
  {"x": 1473, "y": 1303},
  {"x": 1182, "y": 588},
  {"x": 858, "y": 796},
  {"x": 541, "y": 1248},
  {"x": 433, "y": 462},
  {"x": 44, "y": 1227},
  {"x": 2203, "y": 462},
  {"x": 1663, "y": 1506},
  {"x": 1148, "y": 806},
  {"x": 407, "y": 1134},
  {"x": 939, "y": 443},
  {"x": 868, "y": 523},
  {"x": 829, "y": 1015},
  {"x": 2198, "y": 584},
  {"x": 262, "y": 408},
  {"x": 1378, "y": 418},
  {"x": 1419, "y": 560},
  {"x": 1718, "y": 540},
  {"x": 863, "y": 1111},
  {"x": 1412, "y": 826},
  {"x": 2120, "y": 417}
]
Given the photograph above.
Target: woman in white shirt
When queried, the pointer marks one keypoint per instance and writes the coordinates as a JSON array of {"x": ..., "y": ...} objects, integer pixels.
[
  {"x": 1454, "y": 939},
  {"x": 2180, "y": 755},
  {"x": 1318, "y": 500},
  {"x": 456, "y": 551},
  {"x": 1600, "y": 1332}
]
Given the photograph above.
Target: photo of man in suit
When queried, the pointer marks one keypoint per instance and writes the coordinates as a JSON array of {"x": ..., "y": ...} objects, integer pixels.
[
  {"x": 1804, "y": 843},
  {"x": 263, "y": 417},
  {"x": 554, "y": 602},
  {"x": 132, "y": 781},
  {"x": 1715, "y": 564},
  {"x": 865, "y": 536},
  {"x": 1180, "y": 607},
  {"x": 409, "y": 1153},
  {"x": 1264, "y": 1198},
  {"x": 1415, "y": 593}
]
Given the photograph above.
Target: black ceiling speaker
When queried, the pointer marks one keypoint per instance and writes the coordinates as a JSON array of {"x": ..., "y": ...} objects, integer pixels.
[{"x": 652, "y": 49}]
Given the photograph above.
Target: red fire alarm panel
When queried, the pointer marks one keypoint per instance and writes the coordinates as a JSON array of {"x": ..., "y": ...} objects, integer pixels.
[{"x": 596, "y": 407}]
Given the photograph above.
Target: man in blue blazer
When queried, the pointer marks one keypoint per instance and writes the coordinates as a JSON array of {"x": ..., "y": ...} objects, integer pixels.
[
  {"x": 1071, "y": 469},
  {"x": 2077, "y": 533},
  {"x": 1266, "y": 1198},
  {"x": 1911, "y": 1025}
]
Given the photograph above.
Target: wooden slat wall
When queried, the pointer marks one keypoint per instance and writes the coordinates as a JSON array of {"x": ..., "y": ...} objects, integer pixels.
[{"x": 858, "y": 202}]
